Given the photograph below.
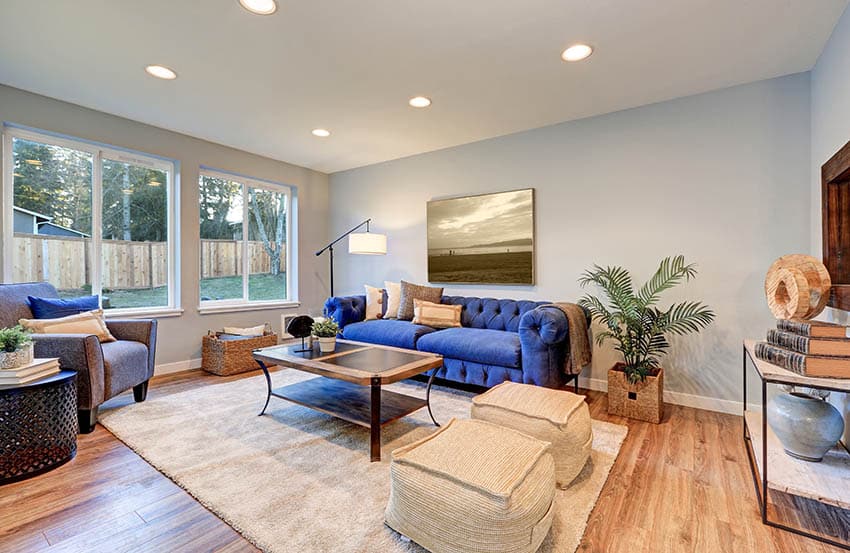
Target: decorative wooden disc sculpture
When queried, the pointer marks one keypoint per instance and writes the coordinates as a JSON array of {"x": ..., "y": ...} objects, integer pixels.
[{"x": 797, "y": 287}]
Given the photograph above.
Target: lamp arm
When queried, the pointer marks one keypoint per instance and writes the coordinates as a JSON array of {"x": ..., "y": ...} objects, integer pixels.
[{"x": 329, "y": 246}]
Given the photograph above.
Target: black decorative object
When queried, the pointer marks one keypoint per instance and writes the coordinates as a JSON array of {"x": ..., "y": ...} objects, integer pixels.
[
  {"x": 362, "y": 243},
  {"x": 300, "y": 327},
  {"x": 38, "y": 426}
]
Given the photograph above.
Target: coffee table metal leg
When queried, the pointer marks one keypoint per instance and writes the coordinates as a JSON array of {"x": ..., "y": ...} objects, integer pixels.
[
  {"x": 375, "y": 423},
  {"x": 268, "y": 383},
  {"x": 428, "y": 395}
]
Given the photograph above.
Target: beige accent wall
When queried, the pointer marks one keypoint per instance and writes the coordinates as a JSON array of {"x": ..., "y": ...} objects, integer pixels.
[{"x": 180, "y": 337}]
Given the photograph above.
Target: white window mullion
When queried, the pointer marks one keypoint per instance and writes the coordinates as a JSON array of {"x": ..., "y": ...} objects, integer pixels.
[
  {"x": 246, "y": 262},
  {"x": 8, "y": 229},
  {"x": 96, "y": 256}
]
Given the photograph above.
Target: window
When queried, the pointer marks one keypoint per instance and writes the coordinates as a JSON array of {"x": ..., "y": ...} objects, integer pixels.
[
  {"x": 245, "y": 250},
  {"x": 89, "y": 220}
]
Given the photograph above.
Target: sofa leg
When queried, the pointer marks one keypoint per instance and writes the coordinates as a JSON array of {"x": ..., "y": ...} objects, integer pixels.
[
  {"x": 87, "y": 419},
  {"x": 140, "y": 391}
]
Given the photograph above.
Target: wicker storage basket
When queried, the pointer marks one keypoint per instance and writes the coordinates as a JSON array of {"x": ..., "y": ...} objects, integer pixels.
[
  {"x": 226, "y": 357},
  {"x": 643, "y": 400}
]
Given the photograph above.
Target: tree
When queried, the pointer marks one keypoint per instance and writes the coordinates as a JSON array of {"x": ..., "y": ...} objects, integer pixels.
[
  {"x": 218, "y": 198},
  {"x": 269, "y": 209}
]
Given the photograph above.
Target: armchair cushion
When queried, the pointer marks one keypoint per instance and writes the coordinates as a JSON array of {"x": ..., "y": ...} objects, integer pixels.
[
  {"x": 53, "y": 308},
  {"x": 125, "y": 364}
]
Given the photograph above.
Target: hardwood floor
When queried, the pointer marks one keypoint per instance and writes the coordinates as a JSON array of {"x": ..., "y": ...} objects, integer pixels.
[{"x": 680, "y": 486}]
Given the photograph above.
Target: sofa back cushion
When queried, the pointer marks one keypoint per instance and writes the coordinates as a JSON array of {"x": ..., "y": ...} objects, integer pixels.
[
  {"x": 491, "y": 313},
  {"x": 14, "y": 302}
]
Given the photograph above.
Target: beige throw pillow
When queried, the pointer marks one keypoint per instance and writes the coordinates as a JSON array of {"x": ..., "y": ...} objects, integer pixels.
[
  {"x": 258, "y": 330},
  {"x": 90, "y": 322},
  {"x": 374, "y": 299},
  {"x": 393, "y": 298},
  {"x": 409, "y": 292},
  {"x": 436, "y": 315}
]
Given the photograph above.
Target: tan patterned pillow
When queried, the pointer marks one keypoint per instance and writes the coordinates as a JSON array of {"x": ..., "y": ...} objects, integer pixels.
[
  {"x": 436, "y": 315},
  {"x": 409, "y": 292},
  {"x": 90, "y": 322}
]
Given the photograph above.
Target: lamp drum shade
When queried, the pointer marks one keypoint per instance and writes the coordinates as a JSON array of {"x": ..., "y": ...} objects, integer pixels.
[{"x": 367, "y": 243}]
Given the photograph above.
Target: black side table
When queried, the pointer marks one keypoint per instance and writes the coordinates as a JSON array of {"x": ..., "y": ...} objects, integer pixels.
[{"x": 38, "y": 426}]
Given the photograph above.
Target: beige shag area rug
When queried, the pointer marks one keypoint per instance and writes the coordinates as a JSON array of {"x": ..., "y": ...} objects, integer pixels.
[{"x": 295, "y": 480}]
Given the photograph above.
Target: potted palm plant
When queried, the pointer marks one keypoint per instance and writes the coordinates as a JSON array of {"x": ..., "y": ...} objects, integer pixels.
[
  {"x": 326, "y": 330},
  {"x": 16, "y": 348},
  {"x": 639, "y": 329}
]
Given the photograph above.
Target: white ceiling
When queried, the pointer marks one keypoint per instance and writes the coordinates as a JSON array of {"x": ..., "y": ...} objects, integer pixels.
[{"x": 492, "y": 67}]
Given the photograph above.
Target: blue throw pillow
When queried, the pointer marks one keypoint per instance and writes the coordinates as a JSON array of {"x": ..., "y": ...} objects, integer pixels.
[{"x": 53, "y": 308}]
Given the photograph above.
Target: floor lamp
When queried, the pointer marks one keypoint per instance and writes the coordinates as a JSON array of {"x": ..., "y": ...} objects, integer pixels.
[{"x": 359, "y": 243}]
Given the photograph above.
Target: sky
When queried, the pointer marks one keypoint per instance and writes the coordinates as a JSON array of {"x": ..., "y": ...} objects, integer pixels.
[{"x": 480, "y": 220}]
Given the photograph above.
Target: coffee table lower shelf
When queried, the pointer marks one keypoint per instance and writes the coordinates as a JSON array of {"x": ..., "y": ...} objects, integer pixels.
[{"x": 349, "y": 402}]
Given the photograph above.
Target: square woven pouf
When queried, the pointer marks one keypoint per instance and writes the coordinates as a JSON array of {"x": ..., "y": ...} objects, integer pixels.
[
  {"x": 555, "y": 416},
  {"x": 473, "y": 487}
]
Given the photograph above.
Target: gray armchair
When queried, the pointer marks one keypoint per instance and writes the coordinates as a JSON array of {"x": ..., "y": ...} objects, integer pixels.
[{"x": 103, "y": 370}]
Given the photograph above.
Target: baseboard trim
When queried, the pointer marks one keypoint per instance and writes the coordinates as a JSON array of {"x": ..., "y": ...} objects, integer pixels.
[
  {"x": 677, "y": 398},
  {"x": 177, "y": 366}
]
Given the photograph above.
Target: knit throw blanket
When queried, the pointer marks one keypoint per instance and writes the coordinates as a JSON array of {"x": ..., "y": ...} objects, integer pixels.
[{"x": 581, "y": 350}]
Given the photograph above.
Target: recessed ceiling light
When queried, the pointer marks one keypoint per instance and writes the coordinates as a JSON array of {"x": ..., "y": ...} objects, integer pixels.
[
  {"x": 420, "y": 102},
  {"x": 154, "y": 183},
  {"x": 576, "y": 52},
  {"x": 161, "y": 72},
  {"x": 36, "y": 162},
  {"x": 322, "y": 133},
  {"x": 259, "y": 7}
]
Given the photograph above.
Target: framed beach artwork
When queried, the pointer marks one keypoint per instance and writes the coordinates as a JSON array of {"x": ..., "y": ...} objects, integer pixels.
[{"x": 484, "y": 239}]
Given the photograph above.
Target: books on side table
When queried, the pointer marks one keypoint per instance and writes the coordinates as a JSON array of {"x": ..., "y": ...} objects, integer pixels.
[
  {"x": 809, "y": 348},
  {"x": 39, "y": 368}
]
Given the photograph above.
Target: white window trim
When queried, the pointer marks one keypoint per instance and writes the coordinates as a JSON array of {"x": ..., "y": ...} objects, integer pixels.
[
  {"x": 99, "y": 152},
  {"x": 243, "y": 303}
]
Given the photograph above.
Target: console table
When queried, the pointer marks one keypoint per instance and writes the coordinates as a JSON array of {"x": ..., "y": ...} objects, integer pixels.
[
  {"x": 825, "y": 482},
  {"x": 38, "y": 426}
]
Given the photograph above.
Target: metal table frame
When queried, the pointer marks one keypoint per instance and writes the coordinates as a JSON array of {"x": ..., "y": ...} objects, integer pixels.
[{"x": 761, "y": 481}]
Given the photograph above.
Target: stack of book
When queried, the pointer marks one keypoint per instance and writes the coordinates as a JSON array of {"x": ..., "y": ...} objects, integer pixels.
[
  {"x": 810, "y": 348},
  {"x": 39, "y": 368}
]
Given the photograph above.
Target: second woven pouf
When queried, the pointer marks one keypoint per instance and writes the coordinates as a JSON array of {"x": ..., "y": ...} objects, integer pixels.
[
  {"x": 556, "y": 416},
  {"x": 473, "y": 487}
]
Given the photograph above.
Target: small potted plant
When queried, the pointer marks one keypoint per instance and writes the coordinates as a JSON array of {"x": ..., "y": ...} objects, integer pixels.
[
  {"x": 326, "y": 330},
  {"x": 638, "y": 328},
  {"x": 16, "y": 348}
]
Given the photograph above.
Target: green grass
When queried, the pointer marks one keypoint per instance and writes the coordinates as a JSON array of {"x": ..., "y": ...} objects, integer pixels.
[{"x": 263, "y": 287}]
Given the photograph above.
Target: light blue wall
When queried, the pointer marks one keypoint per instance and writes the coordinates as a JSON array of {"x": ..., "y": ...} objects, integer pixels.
[
  {"x": 720, "y": 177},
  {"x": 830, "y": 131}
]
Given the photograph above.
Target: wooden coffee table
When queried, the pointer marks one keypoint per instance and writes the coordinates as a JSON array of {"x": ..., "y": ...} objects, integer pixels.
[{"x": 352, "y": 377}]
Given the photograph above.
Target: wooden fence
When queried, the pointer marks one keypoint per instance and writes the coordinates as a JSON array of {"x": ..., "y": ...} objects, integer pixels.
[{"x": 64, "y": 261}]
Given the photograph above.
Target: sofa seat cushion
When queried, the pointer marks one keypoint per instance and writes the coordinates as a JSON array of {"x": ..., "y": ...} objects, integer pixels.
[
  {"x": 386, "y": 332},
  {"x": 489, "y": 347},
  {"x": 125, "y": 364}
]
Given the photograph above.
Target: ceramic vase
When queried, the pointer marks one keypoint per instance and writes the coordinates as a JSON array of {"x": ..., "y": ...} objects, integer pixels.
[
  {"x": 18, "y": 358},
  {"x": 807, "y": 426},
  {"x": 327, "y": 345}
]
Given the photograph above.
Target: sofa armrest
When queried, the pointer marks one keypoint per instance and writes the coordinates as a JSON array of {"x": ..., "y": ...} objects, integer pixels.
[
  {"x": 346, "y": 309},
  {"x": 544, "y": 339},
  {"x": 137, "y": 330},
  {"x": 80, "y": 353}
]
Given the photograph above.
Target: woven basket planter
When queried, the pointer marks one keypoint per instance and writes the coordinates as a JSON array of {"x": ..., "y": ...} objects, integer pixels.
[
  {"x": 642, "y": 400},
  {"x": 226, "y": 357}
]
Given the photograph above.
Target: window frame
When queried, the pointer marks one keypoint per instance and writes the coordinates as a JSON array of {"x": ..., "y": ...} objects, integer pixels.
[
  {"x": 245, "y": 303},
  {"x": 99, "y": 153}
]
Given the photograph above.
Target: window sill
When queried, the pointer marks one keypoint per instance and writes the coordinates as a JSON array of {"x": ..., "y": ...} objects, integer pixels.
[
  {"x": 157, "y": 312},
  {"x": 254, "y": 306}
]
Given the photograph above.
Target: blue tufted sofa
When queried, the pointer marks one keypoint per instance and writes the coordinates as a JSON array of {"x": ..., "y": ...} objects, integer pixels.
[{"x": 520, "y": 341}]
